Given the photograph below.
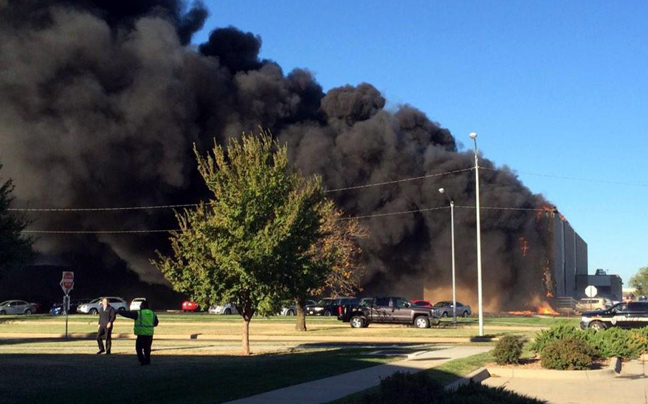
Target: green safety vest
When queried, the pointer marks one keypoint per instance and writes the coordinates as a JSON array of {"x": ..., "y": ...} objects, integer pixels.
[{"x": 145, "y": 322}]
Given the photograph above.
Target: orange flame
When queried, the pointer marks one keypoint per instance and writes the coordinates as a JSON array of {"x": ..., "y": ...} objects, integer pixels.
[
  {"x": 550, "y": 294},
  {"x": 544, "y": 308}
]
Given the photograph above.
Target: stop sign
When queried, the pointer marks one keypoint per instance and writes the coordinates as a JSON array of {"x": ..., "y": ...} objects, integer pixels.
[{"x": 67, "y": 281}]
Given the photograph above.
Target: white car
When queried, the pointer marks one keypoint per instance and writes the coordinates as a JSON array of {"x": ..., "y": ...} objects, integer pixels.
[
  {"x": 291, "y": 310},
  {"x": 228, "y": 308},
  {"x": 117, "y": 303},
  {"x": 136, "y": 303},
  {"x": 16, "y": 307}
]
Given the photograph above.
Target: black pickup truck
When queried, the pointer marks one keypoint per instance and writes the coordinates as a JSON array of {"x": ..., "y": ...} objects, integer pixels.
[{"x": 387, "y": 310}]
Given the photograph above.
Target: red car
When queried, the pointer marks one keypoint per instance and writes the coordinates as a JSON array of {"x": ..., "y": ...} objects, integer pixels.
[
  {"x": 189, "y": 306},
  {"x": 421, "y": 303}
]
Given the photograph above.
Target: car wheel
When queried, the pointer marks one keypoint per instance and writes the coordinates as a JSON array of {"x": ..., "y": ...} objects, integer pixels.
[
  {"x": 597, "y": 326},
  {"x": 421, "y": 322},
  {"x": 357, "y": 322},
  {"x": 291, "y": 313},
  {"x": 94, "y": 311},
  {"x": 465, "y": 314},
  {"x": 228, "y": 311},
  {"x": 28, "y": 312},
  {"x": 121, "y": 310},
  {"x": 445, "y": 314},
  {"x": 327, "y": 313}
]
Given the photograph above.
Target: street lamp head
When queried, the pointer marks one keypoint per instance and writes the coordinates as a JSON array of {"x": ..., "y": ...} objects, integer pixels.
[
  {"x": 441, "y": 190},
  {"x": 473, "y": 135}
]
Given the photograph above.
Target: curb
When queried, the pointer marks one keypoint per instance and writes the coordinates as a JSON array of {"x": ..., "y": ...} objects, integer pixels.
[
  {"x": 477, "y": 376},
  {"x": 546, "y": 374}
]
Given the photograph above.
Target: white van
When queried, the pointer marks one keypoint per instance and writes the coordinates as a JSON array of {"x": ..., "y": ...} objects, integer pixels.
[{"x": 593, "y": 303}]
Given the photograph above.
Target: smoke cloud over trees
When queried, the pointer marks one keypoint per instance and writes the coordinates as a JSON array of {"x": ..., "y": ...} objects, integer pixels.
[{"x": 103, "y": 100}]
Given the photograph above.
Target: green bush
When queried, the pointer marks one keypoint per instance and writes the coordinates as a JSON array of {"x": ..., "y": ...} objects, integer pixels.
[
  {"x": 567, "y": 354},
  {"x": 508, "y": 350},
  {"x": 559, "y": 332},
  {"x": 474, "y": 393},
  {"x": 406, "y": 388},
  {"x": 421, "y": 388},
  {"x": 614, "y": 341}
]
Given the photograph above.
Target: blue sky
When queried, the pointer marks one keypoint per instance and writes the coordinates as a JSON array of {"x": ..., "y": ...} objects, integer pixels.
[{"x": 552, "y": 88}]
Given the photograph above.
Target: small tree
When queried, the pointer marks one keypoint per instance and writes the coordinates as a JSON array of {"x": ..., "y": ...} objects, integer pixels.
[
  {"x": 15, "y": 248},
  {"x": 254, "y": 235},
  {"x": 340, "y": 251},
  {"x": 640, "y": 281}
]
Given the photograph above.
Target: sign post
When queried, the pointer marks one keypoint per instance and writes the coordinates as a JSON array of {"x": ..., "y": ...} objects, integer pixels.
[
  {"x": 591, "y": 291},
  {"x": 67, "y": 284}
]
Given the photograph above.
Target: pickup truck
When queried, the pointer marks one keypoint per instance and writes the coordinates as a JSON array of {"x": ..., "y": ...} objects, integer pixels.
[{"x": 387, "y": 310}]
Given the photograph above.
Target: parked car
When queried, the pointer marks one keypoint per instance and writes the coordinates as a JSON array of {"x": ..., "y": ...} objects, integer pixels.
[
  {"x": 622, "y": 315},
  {"x": 93, "y": 306},
  {"x": 445, "y": 309},
  {"x": 227, "y": 309},
  {"x": 593, "y": 303},
  {"x": 16, "y": 307},
  {"x": 136, "y": 303},
  {"x": 57, "y": 308},
  {"x": 188, "y": 305},
  {"x": 291, "y": 309},
  {"x": 421, "y": 303},
  {"x": 388, "y": 310},
  {"x": 330, "y": 305}
]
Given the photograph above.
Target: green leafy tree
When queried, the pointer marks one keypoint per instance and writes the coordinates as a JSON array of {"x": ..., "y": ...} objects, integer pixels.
[
  {"x": 640, "y": 281},
  {"x": 15, "y": 248},
  {"x": 254, "y": 237}
]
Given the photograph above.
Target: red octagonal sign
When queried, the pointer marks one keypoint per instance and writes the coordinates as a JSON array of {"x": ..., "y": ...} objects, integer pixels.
[{"x": 67, "y": 283}]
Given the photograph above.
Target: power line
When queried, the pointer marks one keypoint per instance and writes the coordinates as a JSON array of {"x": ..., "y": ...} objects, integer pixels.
[
  {"x": 96, "y": 231},
  {"x": 393, "y": 213},
  {"x": 505, "y": 208},
  {"x": 399, "y": 181},
  {"x": 188, "y": 205},
  {"x": 562, "y": 177}
]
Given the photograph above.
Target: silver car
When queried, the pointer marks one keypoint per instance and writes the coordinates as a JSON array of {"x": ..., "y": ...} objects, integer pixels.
[
  {"x": 227, "y": 309},
  {"x": 16, "y": 307},
  {"x": 93, "y": 307},
  {"x": 291, "y": 310}
]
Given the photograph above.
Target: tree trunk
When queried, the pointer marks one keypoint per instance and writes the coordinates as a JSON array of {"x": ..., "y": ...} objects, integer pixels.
[
  {"x": 246, "y": 334},
  {"x": 301, "y": 314}
]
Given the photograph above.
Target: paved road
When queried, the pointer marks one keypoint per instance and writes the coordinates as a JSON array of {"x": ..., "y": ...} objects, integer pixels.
[
  {"x": 332, "y": 388},
  {"x": 631, "y": 387}
]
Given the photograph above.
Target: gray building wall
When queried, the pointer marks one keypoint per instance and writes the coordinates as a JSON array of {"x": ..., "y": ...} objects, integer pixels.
[{"x": 569, "y": 258}]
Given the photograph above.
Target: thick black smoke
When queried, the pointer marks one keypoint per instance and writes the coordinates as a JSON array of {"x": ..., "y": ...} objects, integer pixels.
[{"x": 102, "y": 102}]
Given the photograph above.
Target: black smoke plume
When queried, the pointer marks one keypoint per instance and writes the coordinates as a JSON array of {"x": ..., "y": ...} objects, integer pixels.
[{"x": 102, "y": 101}]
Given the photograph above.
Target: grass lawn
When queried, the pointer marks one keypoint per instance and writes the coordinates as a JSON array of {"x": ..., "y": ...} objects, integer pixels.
[
  {"x": 212, "y": 325},
  {"x": 41, "y": 377}
]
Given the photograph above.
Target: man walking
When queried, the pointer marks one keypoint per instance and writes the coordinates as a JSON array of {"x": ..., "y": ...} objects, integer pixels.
[
  {"x": 106, "y": 321},
  {"x": 145, "y": 321}
]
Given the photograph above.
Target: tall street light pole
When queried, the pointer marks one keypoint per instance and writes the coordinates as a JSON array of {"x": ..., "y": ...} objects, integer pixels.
[
  {"x": 454, "y": 286},
  {"x": 473, "y": 136}
]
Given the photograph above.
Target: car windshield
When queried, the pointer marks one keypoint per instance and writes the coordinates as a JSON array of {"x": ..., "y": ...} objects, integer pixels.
[
  {"x": 6, "y": 302},
  {"x": 324, "y": 302},
  {"x": 440, "y": 304}
]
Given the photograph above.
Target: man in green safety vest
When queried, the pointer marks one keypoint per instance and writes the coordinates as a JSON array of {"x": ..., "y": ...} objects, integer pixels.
[{"x": 145, "y": 322}]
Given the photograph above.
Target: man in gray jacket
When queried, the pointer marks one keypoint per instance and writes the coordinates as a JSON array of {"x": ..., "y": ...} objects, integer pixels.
[{"x": 106, "y": 320}]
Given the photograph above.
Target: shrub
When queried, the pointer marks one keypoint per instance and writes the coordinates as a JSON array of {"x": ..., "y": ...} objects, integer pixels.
[
  {"x": 559, "y": 332},
  {"x": 474, "y": 393},
  {"x": 406, "y": 388},
  {"x": 567, "y": 354},
  {"x": 421, "y": 388},
  {"x": 617, "y": 342},
  {"x": 508, "y": 350}
]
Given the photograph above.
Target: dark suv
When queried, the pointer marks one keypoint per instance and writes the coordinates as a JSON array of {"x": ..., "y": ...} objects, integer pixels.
[
  {"x": 622, "y": 315},
  {"x": 330, "y": 305}
]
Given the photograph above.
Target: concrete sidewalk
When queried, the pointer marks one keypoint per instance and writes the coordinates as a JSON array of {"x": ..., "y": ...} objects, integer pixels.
[
  {"x": 332, "y": 388},
  {"x": 630, "y": 387}
]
